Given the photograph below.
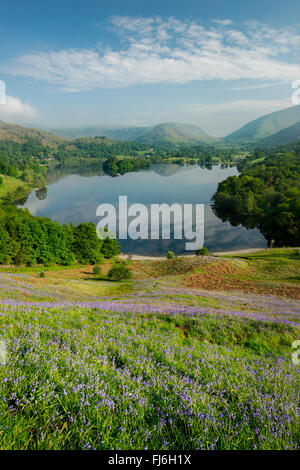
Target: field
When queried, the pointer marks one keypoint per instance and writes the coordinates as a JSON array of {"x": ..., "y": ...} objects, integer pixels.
[
  {"x": 11, "y": 184},
  {"x": 165, "y": 361}
]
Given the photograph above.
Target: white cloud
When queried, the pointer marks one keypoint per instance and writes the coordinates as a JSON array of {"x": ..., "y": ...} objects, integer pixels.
[
  {"x": 223, "y": 22},
  {"x": 14, "y": 110},
  {"x": 156, "y": 51}
]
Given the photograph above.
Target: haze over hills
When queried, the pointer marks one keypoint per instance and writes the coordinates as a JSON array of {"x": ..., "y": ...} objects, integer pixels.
[
  {"x": 266, "y": 126},
  {"x": 19, "y": 133},
  {"x": 161, "y": 134},
  {"x": 178, "y": 133},
  {"x": 286, "y": 136},
  {"x": 280, "y": 127}
]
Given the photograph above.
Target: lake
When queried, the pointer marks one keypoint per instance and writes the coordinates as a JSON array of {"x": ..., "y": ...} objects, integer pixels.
[{"x": 74, "y": 195}]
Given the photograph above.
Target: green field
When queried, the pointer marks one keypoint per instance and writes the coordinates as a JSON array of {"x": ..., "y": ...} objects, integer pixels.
[{"x": 10, "y": 184}]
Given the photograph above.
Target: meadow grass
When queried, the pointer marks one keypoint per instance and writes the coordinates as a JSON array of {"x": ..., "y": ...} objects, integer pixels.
[
  {"x": 85, "y": 378},
  {"x": 10, "y": 185},
  {"x": 277, "y": 265},
  {"x": 148, "y": 364}
]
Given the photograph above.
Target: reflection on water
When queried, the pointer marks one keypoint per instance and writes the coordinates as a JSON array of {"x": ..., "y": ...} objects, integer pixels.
[{"x": 74, "y": 193}]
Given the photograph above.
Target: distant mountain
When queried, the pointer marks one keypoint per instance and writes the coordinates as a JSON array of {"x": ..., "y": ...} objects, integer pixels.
[
  {"x": 176, "y": 133},
  {"x": 19, "y": 133},
  {"x": 266, "y": 126},
  {"x": 286, "y": 136},
  {"x": 162, "y": 133},
  {"x": 123, "y": 134}
]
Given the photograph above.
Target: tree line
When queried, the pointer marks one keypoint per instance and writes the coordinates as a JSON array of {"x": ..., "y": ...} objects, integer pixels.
[
  {"x": 28, "y": 240},
  {"x": 267, "y": 195},
  {"x": 114, "y": 166}
]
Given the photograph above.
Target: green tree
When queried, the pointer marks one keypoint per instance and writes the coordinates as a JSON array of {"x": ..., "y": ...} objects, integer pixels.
[{"x": 86, "y": 245}]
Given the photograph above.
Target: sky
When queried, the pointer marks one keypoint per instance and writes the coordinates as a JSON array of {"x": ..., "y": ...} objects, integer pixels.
[{"x": 215, "y": 64}]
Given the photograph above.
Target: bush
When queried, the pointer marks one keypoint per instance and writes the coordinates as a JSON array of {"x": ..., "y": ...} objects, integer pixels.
[
  {"x": 119, "y": 272},
  {"x": 170, "y": 255},
  {"x": 42, "y": 274},
  {"x": 97, "y": 270},
  {"x": 202, "y": 251}
]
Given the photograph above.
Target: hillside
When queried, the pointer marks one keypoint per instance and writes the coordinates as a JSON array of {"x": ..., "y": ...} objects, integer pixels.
[
  {"x": 162, "y": 133},
  {"x": 191, "y": 353},
  {"x": 176, "y": 133},
  {"x": 286, "y": 136},
  {"x": 18, "y": 133},
  {"x": 266, "y": 125}
]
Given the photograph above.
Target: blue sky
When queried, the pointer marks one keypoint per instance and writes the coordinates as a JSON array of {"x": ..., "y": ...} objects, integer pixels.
[{"x": 214, "y": 64}]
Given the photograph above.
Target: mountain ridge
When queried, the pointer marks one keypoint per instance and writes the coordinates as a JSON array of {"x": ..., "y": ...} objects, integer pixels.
[
  {"x": 18, "y": 133},
  {"x": 265, "y": 126},
  {"x": 171, "y": 132},
  {"x": 279, "y": 127},
  {"x": 285, "y": 136}
]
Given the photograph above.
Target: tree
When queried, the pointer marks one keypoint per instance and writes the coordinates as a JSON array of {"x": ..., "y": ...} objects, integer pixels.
[
  {"x": 86, "y": 245},
  {"x": 110, "y": 247},
  {"x": 5, "y": 246}
]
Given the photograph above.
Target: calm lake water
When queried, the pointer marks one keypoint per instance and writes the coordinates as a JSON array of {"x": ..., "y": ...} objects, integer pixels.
[{"x": 75, "y": 197}]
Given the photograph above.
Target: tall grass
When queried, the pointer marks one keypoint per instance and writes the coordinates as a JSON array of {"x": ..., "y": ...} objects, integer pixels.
[{"x": 82, "y": 378}]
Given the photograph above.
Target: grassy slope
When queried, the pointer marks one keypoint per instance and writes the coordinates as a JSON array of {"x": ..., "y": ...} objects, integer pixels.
[
  {"x": 275, "y": 271},
  {"x": 266, "y": 125},
  {"x": 285, "y": 136},
  {"x": 18, "y": 133},
  {"x": 10, "y": 185},
  {"x": 216, "y": 376}
]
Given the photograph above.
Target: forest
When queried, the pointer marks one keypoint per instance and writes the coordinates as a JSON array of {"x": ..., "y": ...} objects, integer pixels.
[
  {"x": 266, "y": 195},
  {"x": 28, "y": 240}
]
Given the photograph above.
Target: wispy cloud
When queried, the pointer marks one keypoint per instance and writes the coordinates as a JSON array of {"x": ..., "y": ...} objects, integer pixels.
[
  {"x": 223, "y": 22},
  {"x": 259, "y": 86},
  {"x": 153, "y": 50},
  {"x": 14, "y": 110}
]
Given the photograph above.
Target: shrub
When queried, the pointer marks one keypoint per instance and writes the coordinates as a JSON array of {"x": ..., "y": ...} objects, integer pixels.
[
  {"x": 202, "y": 251},
  {"x": 119, "y": 272},
  {"x": 97, "y": 270},
  {"x": 42, "y": 274},
  {"x": 170, "y": 255}
]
